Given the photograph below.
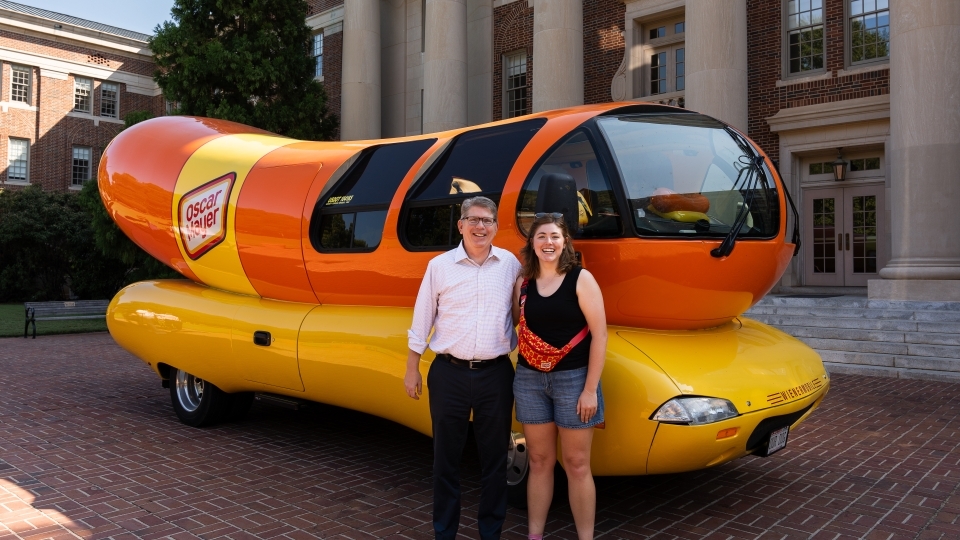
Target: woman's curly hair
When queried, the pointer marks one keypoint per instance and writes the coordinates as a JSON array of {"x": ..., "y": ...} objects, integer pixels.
[{"x": 568, "y": 257}]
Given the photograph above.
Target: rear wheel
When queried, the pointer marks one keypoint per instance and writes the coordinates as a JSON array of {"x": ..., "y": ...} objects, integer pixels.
[{"x": 197, "y": 402}]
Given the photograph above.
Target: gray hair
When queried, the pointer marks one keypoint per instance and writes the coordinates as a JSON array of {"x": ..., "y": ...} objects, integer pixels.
[{"x": 482, "y": 202}]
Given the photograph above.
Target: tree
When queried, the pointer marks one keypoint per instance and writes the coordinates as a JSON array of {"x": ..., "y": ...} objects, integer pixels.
[{"x": 243, "y": 60}]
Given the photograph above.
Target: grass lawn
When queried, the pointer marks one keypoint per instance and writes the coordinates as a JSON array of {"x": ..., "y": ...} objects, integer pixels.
[{"x": 11, "y": 323}]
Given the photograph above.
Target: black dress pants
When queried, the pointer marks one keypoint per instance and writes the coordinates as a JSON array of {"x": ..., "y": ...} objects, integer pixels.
[{"x": 454, "y": 392}]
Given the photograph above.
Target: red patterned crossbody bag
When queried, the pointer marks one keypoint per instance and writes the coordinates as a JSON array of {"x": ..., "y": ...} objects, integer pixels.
[{"x": 537, "y": 352}]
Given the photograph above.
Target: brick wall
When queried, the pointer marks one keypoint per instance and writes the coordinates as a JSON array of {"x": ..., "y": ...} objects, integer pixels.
[
  {"x": 332, "y": 70},
  {"x": 512, "y": 31},
  {"x": 603, "y": 47},
  {"x": 319, "y": 6},
  {"x": 764, "y": 46},
  {"x": 51, "y": 131}
]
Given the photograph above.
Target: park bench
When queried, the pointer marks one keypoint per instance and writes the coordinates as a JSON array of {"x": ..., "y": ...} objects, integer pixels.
[{"x": 62, "y": 311}]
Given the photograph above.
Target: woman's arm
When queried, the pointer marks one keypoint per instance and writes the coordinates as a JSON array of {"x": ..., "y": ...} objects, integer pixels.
[
  {"x": 591, "y": 303},
  {"x": 515, "y": 306}
]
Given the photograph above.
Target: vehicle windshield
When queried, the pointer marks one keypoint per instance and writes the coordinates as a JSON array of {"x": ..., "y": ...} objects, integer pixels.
[{"x": 686, "y": 175}]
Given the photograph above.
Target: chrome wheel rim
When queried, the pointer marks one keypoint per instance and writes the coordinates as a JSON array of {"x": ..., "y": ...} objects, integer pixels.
[
  {"x": 516, "y": 458},
  {"x": 189, "y": 390}
]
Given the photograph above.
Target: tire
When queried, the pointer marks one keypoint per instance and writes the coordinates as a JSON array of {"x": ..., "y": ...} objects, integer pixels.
[
  {"x": 240, "y": 404},
  {"x": 198, "y": 403}
]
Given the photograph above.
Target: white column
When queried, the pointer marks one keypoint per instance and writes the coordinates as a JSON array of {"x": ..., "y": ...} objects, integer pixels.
[
  {"x": 924, "y": 159},
  {"x": 445, "y": 66},
  {"x": 716, "y": 59},
  {"x": 360, "y": 87},
  {"x": 393, "y": 54},
  {"x": 557, "y": 54},
  {"x": 479, "y": 61}
]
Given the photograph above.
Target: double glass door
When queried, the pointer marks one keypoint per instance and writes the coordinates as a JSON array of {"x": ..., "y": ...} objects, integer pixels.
[{"x": 844, "y": 241}]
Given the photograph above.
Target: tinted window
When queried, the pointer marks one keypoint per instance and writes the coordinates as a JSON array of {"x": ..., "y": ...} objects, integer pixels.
[
  {"x": 477, "y": 163},
  {"x": 599, "y": 213},
  {"x": 352, "y": 215}
]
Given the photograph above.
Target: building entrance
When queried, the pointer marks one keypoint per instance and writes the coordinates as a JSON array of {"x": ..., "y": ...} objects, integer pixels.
[{"x": 843, "y": 243}]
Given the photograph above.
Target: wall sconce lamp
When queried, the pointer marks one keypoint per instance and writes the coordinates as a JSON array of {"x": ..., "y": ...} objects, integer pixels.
[{"x": 839, "y": 167}]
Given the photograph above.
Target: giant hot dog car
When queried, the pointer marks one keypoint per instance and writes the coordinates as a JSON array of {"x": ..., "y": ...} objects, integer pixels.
[{"x": 304, "y": 260}]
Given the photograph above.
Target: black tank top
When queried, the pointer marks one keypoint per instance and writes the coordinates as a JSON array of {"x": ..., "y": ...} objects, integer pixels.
[{"x": 556, "y": 319}]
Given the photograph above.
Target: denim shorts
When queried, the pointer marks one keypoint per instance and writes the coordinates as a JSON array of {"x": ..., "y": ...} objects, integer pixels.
[{"x": 552, "y": 397}]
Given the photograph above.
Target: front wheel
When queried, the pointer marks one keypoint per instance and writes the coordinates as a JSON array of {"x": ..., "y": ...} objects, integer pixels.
[{"x": 197, "y": 402}]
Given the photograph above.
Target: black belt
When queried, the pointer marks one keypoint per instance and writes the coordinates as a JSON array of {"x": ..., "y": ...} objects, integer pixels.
[{"x": 472, "y": 364}]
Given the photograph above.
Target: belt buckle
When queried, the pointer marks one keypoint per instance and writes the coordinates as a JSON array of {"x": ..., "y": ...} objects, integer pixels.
[{"x": 472, "y": 362}]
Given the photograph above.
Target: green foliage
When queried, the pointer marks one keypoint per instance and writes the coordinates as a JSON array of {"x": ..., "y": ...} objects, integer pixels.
[
  {"x": 243, "y": 60},
  {"x": 12, "y": 319},
  {"x": 135, "y": 117}
]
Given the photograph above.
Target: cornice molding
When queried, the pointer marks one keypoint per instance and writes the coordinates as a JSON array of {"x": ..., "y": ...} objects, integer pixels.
[
  {"x": 834, "y": 113},
  {"x": 58, "y": 68}
]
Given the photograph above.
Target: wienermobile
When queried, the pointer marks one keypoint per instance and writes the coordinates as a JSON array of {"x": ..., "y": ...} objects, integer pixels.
[{"x": 303, "y": 261}]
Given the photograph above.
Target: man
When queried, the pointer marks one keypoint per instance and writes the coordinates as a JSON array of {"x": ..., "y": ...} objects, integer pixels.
[{"x": 466, "y": 298}]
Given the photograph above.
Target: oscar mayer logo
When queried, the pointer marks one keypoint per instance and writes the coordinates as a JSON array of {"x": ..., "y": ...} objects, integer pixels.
[{"x": 203, "y": 215}]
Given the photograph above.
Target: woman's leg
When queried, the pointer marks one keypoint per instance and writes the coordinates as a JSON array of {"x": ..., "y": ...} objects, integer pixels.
[
  {"x": 575, "y": 446},
  {"x": 542, "y": 456}
]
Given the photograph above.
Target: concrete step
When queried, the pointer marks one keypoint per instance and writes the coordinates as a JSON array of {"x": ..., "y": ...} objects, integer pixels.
[
  {"x": 860, "y": 346},
  {"x": 854, "y": 313},
  {"x": 933, "y": 339},
  {"x": 944, "y": 327},
  {"x": 842, "y": 322},
  {"x": 860, "y": 302},
  {"x": 901, "y": 373},
  {"x": 863, "y": 359},
  {"x": 846, "y": 334}
]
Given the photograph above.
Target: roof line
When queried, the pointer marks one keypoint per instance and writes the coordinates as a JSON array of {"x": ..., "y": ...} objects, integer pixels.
[{"x": 76, "y": 21}]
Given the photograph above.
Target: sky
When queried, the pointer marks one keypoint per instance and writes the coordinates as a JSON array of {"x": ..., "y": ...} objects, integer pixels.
[{"x": 137, "y": 15}]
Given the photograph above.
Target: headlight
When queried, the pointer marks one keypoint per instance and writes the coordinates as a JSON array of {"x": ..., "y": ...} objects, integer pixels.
[{"x": 695, "y": 411}]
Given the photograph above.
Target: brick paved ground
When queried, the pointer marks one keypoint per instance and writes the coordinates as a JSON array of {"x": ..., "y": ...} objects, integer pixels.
[{"x": 90, "y": 448}]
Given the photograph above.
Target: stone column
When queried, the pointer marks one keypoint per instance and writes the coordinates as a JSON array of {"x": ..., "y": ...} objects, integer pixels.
[
  {"x": 716, "y": 60},
  {"x": 557, "y": 54},
  {"x": 924, "y": 158},
  {"x": 393, "y": 55},
  {"x": 360, "y": 87},
  {"x": 445, "y": 66},
  {"x": 479, "y": 61}
]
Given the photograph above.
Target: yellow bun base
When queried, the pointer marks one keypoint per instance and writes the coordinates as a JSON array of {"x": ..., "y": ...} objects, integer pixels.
[{"x": 683, "y": 216}]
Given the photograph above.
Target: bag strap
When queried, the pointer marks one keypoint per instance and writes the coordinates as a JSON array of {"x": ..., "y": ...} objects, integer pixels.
[{"x": 523, "y": 294}]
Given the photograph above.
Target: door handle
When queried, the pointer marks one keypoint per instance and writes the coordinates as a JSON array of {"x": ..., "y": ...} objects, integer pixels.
[
  {"x": 262, "y": 338},
  {"x": 839, "y": 241},
  {"x": 848, "y": 241}
]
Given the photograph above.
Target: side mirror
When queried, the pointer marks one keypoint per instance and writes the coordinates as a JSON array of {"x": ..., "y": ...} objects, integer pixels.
[{"x": 558, "y": 193}]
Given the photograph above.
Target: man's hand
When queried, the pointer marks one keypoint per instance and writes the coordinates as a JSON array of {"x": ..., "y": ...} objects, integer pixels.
[{"x": 412, "y": 381}]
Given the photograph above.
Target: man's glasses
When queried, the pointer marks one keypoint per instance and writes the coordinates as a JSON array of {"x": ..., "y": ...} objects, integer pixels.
[
  {"x": 473, "y": 221},
  {"x": 554, "y": 215}
]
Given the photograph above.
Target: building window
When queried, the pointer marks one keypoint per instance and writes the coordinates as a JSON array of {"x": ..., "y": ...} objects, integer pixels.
[
  {"x": 664, "y": 61},
  {"x": 81, "y": 94},
  {"x": 81, "y": 164},
  {"x": 515, "y": 84},
  {"x": 109, "y": 94},
  {"x": 318, "y": 55},
  {"x": 20, "y": 84},
  {"x": 18, "y": 160},
  {"x": 869, "y": 30},
  {"x": 805, "y": 35}
]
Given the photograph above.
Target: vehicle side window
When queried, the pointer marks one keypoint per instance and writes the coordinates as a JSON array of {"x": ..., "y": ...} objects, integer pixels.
[
  {"x": 477, "y": 163},
  {"x": 599, "y": 214},
  {"x": 351, "y": 216}
]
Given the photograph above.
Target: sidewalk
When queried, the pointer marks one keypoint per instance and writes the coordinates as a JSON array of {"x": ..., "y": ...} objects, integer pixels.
[{"x": 90, "y": 448}]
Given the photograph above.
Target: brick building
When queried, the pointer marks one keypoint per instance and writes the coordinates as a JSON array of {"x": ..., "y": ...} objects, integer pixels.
[
  {"x": 66, "y": 85},
  {"x": 810, "y": 80}
]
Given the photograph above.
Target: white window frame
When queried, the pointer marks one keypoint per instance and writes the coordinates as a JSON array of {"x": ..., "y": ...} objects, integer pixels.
[
  {"x": 116, "y": 99},
  {"x": 785, "y": 45},
  {"x": 29, "y": 89},
  {"x": 318, "y": 56},
  {"x": 77, "y": 88},
  {"x": 73, "y": 165},
  {"x": 523, "y": 62},
  {"x": 848, "y": 40},
  {"x": 670, "y": 43},
  {"x": 26, "y": 175}
]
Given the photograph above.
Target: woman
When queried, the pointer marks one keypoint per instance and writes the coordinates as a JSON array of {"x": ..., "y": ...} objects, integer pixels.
[{"x": 563, "y": 341}]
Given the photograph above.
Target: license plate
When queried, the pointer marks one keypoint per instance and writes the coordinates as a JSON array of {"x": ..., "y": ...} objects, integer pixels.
[{"x": 778, "y": 440}]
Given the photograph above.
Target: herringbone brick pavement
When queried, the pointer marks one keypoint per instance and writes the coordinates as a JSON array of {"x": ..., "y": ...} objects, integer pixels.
[{"x": 90, "y": 448}]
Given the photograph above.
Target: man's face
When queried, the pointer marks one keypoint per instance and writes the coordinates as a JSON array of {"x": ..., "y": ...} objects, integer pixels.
[{"x": 478, "y": 237}]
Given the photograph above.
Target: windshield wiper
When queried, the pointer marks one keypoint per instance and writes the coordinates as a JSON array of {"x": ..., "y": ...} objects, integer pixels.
[{"x": 748, "y": 176}]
